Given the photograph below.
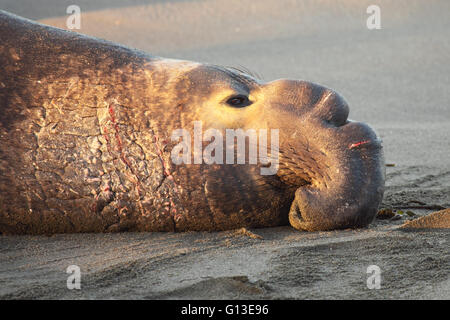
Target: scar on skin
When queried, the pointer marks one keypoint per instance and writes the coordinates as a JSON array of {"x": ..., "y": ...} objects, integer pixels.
[{"x": 358, "y": 144}]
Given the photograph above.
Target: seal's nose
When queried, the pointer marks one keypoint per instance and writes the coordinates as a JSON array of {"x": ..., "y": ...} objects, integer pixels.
[
  {"x": 331, "y": 108},
  {"x": 305, "y": 98}
]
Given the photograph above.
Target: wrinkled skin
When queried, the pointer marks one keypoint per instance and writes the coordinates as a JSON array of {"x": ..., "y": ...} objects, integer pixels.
[{"x": 85, "y": 143}]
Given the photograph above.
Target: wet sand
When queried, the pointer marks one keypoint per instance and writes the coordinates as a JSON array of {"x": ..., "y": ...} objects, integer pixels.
[{"x": 396, "y": 79}]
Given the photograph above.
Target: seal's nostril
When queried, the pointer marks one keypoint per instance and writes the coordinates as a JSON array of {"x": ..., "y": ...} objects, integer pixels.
[
  {"x": 295, "y": 216},
  {"x": 298, "y": 213}
]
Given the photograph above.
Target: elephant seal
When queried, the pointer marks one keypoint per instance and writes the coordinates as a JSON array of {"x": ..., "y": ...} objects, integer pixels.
[{"x": 85, "y": 143}]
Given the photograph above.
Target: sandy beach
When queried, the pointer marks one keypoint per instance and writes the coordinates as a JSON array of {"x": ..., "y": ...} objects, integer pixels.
[{"x": 397, "y": 79}]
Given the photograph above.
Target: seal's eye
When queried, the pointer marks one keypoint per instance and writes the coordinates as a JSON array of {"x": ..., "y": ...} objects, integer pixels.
[{"x": 239, "y": 101}]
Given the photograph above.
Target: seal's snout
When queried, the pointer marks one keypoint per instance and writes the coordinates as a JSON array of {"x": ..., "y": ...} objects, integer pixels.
[
  {"x": 341, "y": 160},
  {"x": 350, "y": 188}
]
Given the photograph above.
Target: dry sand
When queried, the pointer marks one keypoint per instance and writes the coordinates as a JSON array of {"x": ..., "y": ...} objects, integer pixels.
[{"x": 397, "y": 79}]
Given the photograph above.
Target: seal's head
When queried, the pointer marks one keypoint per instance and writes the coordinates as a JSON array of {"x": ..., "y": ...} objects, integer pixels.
[{"x": 330, "y": 169}]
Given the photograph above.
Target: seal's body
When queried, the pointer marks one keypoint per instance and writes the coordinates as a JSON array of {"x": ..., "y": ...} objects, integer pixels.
[{"x": 85, "y": 143}]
